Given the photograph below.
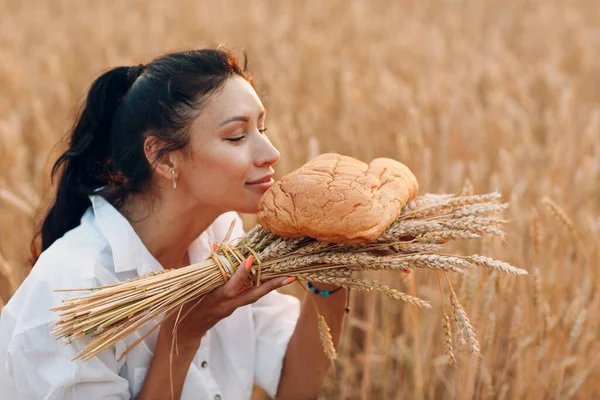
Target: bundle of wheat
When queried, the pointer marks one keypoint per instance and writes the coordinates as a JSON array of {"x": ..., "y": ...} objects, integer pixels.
[{"x": 415, "y": 240}]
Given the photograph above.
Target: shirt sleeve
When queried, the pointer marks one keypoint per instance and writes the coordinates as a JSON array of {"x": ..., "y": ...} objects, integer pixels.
[
  {"x": 33, "y": 363},
  {"x": 275, "y": 316},
  {"x": 39, "y": 367}
]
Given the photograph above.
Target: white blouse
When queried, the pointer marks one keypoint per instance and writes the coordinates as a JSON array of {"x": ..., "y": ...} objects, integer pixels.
[{"x": 245, "y": 347}]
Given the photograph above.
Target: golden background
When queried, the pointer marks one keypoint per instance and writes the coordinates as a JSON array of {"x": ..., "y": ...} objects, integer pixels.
[{"x": 505, "y": 94}]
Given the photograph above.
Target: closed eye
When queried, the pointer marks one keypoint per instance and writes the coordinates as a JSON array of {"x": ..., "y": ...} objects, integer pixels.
[{"x": 236, "y": 139}]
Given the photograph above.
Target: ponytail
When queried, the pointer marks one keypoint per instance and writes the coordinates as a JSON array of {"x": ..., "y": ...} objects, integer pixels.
[{"x": 83, "y": 167}]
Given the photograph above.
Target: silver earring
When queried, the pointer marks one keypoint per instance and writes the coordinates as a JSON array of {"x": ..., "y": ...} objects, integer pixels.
[{"x": 174, "y": 179}]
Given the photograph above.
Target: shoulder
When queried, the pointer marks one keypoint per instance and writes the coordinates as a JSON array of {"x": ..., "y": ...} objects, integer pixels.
[
  {"x": 70, "y": 262},
  {"x": 71, "y": 258}
]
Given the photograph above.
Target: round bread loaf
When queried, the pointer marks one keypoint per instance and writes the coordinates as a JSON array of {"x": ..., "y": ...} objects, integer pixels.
[{"x": 336, "y": 198}]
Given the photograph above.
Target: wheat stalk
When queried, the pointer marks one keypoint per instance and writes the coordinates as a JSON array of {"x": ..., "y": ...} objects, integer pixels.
[
  {"x": 446, "y": 329},
  {"x": 447, "y": 336},
  {"x": 326, "y": 339},
  {"x": 113, "y": 312},
  {"x": 464, "y": 324}
]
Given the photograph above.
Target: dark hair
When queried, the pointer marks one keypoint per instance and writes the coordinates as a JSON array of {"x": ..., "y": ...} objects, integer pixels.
[{"x": 123, "y": 107}]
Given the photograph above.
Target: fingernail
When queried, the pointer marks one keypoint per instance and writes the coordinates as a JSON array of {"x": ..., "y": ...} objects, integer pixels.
[
  {"x": 287, "y": 281},
  {"x": 406, "y": 271},
  {"x": 242, "y": 289},
  {"x": 214, "y": 246},
  {"x": 248, "y": 262}
]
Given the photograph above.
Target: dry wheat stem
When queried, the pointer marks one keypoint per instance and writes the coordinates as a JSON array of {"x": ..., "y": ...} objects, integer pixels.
[
  {"x": 560, "y": 215},
  {"x": 366, "y": 285},
  {"x": 445, "y": 205},
  {"x": 576, "y": 329},
  {"x": 446, "y": 329},
  {"x": 440, "y": 236},
  {"x": 447, "y": 338},
  {"x": 496, "y": 265},
  {"x": 113, "y": 312},
  {"x": 424, "y": 201},
  {"x": 463, "y": 323},
  {"x": 326, "y": 339}
]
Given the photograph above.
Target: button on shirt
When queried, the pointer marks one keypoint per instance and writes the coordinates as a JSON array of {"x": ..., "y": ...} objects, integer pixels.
[{"x": 246, "y": 347}]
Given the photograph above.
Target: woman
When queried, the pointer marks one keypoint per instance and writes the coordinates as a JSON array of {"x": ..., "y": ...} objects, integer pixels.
[{"x": 161, "y": 159}]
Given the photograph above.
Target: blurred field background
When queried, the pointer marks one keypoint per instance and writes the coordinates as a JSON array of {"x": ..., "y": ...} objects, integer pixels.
[{"x": 504, "y": 94}]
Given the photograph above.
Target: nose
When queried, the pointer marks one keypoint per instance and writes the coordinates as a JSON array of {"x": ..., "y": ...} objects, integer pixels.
[{"x": 266, "y": 154}]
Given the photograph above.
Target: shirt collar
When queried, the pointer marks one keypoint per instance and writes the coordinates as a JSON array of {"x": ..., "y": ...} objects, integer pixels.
[{"x": 128, "y": 251}]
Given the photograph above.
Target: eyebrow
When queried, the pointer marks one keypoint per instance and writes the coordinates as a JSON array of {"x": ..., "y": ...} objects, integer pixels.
[{"x": 240, "y": 118}]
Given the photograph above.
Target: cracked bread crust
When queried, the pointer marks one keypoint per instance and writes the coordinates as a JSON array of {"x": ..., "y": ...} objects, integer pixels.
[{"x": 336, "y": 198}]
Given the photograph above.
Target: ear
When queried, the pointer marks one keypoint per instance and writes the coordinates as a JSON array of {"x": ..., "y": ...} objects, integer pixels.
[{"x": 165, "y": 164}]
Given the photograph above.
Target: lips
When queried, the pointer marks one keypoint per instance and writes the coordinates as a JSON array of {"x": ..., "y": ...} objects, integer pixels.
[{"x": 264, "y": 179}]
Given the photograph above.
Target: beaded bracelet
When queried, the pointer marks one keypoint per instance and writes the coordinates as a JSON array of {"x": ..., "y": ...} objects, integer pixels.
[{"x": 324, "y": 293}]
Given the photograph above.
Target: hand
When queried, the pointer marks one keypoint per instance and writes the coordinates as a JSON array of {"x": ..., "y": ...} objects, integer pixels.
[{"x": 220, "y": 303}]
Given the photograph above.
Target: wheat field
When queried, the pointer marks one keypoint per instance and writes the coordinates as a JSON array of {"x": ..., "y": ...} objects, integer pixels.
[{"x": 502, "y": 95}]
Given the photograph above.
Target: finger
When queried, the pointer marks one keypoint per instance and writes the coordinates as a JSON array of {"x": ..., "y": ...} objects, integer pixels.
[
  {"x": 237, "y": 281},
  {"x": 256, "y": 293}
]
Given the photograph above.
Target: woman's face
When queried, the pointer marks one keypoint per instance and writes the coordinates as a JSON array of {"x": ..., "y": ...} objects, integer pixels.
[{"x": 228, "y": 151}]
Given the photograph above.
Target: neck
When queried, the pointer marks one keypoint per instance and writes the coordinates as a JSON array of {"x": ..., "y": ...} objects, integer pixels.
[{"x": 168, "y": 226}]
